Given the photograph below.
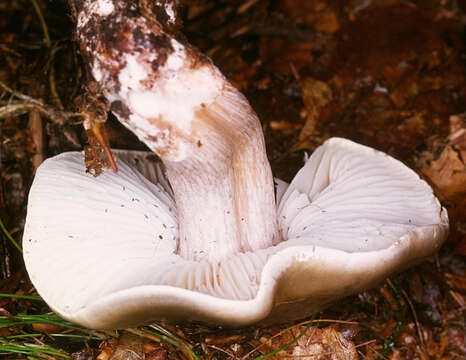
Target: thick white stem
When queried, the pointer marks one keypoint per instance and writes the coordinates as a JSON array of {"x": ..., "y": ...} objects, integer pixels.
[
  {"x": 182, "y": 108},
  {"x": 224, "y": 190}
]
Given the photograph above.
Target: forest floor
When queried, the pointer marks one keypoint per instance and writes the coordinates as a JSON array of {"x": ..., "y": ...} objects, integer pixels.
[{"x": 385, "y": 73}]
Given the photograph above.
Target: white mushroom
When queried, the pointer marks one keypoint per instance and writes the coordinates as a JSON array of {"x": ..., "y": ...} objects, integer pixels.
[
  {"x": 104, "y": 252},
  {"x": 127, "y": 248},
  {"x": 183, "y": 108}
]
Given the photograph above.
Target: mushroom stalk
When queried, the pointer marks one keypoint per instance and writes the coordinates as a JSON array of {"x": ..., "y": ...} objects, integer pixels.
[
  {"x": 182, "y": 108},
  {"x": 224, "y": 189}
]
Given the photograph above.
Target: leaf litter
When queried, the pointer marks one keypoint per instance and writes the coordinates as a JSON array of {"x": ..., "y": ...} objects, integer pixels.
[{"x": 386, "y": 73}]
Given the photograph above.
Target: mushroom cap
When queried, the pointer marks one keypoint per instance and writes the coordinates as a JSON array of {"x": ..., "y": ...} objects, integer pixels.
[{"x": 102, "y": 252}]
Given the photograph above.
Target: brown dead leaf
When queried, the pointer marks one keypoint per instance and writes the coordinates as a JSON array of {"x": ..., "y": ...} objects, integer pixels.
[
  {"x": 278, "y": 54},
  {"x": 315, "y": 94},
  {"x": 10, "y": 284},
  {"x": 457, "y": 339},
  {"x": 135, "y": 344},
  {"x": 154, "y": 351},
  {"x": 221, "y": 340},
  {"x": 457, "y": 282},
  {"x": 286, "y": 127},
  {"x": 413, "y": 128},
  {"x": 458, "y": 131},
  {"x": 388, "y": 329},
  {"x": 460, "y": 299},
  {"x": 302, "y": 11},
  {"x": 447, "y": 171},
  {"x": 460, "y": 248},
  {"x": 328, "y": 23},
  {"x": 46, "y": 328},
  {"x": 393, "y": 74},
  {"x": 129, "y": 347},
  {"x": 315, "y": 344},
  {"x": 386, "y": 3},
  {"x": 406, "y": 91},
  {"x": 106, "y": 349},
  {"x": 85, "y": 354}
]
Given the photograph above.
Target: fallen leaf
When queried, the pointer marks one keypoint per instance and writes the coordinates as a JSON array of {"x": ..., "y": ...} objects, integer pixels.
[
  {"x": 315, "y": 94},
  {"x": 447, "y": 171},
  {"x": 460, "y": 299},
  {"x": 154, "y": 351},
  {"x": 315, "y": 344},
  {"x": 458, "y": 340},
  {"x": 129, "y": 347},
  {"x": 85, "y": 354},
  {"x": 460, "y": 248},
  {"x": 328, "y": 23},
  {"x": 307, "y": 12},
  {"x": 406, "y": 91},
  {"x": 10, "y": 284},
  {"x": 221, "y": 340},
  {"x": 106, "y": 349},
  {"x": 457, "y": 282},
  {"x": 46, "y": 328},
  {"x": 284, "y": 126},
  {"x": 457, "y": 135},
  {"x": 278, "y": 54}
]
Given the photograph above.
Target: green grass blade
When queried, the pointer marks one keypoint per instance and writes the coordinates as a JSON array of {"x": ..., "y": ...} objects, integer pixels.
[
  {"x": 8, "y": 235},
  {"x": 25, "y": 297},
  {"x": 73, "y": 336},
  {"x": 30, "y": 349},
  {"x": 161, "y": 336},
  {"x": 172, "y": 339},
  {"x": 51, "y": 319}
]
